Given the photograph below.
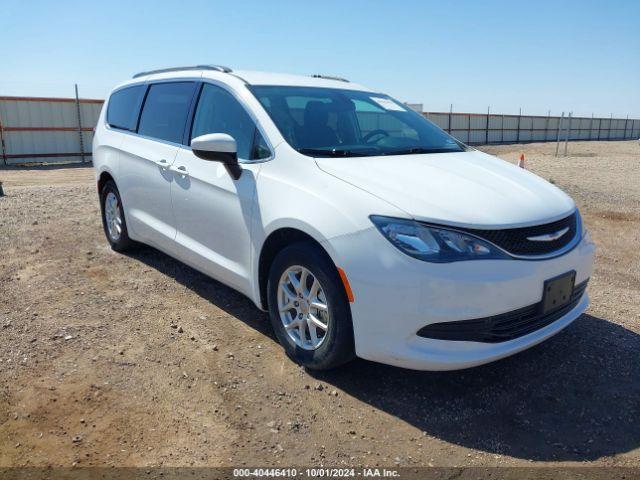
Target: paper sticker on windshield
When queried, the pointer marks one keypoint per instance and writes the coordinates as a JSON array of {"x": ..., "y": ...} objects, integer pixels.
[{"x": 388, "y": 104}]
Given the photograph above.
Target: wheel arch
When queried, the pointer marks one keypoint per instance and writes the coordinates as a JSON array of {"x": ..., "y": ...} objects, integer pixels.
[
  {"x": 104, "y": 177},
  {"x": 274, "y": 243}
]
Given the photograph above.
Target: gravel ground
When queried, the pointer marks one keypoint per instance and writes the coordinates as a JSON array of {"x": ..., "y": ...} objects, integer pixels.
[{"x": 137, "y": 360}]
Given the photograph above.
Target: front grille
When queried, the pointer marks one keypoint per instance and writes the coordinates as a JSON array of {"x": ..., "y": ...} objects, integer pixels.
[
  {"x": 514, "y": 240},
  {"x": 503, "y": 327}
]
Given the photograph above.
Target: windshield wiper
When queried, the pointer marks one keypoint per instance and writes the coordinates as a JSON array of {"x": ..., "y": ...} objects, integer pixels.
[
  {"x": 419, "y": 150},
  {"x": 334, "y": 152}
]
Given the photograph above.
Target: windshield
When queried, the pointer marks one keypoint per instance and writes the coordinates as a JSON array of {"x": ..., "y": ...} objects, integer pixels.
[{"x": 331, "y": 122}]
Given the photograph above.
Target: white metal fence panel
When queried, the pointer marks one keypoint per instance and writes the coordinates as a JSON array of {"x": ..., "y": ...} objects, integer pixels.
[
  {"x": 48, "y": 129},
  {"x": 472, "y": 127},
  {"x": 440, "y": 119},
  {"x": 35, "y": 130}
]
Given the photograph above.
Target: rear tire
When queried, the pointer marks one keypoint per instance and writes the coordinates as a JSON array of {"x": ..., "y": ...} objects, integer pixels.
[
  {"x": 299, "y": 328},
  {"x": 113, "y": 221}
]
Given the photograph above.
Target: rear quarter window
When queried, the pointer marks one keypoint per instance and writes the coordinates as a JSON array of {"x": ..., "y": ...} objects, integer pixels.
[{"x": 124, "y": 107}]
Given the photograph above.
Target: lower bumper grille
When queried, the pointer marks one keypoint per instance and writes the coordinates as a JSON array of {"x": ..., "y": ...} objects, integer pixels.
[{"x": 503, "y": 327}]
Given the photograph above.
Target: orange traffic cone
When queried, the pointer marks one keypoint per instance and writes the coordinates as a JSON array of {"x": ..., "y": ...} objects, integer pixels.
[{"x": 521, "y": 161}]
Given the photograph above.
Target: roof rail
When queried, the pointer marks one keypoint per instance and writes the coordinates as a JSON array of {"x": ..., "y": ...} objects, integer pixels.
[
  {"x": 328, "y": 77},
  {"x": 218, "y": 68}
]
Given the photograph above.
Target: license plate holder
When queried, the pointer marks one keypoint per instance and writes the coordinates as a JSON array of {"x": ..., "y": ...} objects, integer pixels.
[{"x": 557, "y": 292}]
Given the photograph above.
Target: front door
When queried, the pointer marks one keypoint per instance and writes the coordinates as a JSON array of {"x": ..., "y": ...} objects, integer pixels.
[{"x": 213, "y": 211}]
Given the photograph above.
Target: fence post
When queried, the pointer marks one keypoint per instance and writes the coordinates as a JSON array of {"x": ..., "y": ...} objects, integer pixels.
[
  {"x": 591, "y": 126},
  {"x": 546, "y": 126},
  {"x": 79, "y": 124},
  {"x": 558, "y": 134},
  {"x": 4, "y": 147},
  {"x": 486, "y": 135},
  {"x": 566, "y": 138},
  {"x": 450, "y": 112},
  {"x": 625, "y": 127},
  {"x": 610, "y": 125},
  {"x": 519, "y": 117},
  {"x": 502, "y": 129}
]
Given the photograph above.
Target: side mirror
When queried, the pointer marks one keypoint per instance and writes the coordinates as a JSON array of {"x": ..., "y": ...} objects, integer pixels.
[{"x": 218, "y": 147}]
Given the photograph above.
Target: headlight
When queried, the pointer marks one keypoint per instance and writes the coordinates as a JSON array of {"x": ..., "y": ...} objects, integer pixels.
[{"x": 435, "y": 244}]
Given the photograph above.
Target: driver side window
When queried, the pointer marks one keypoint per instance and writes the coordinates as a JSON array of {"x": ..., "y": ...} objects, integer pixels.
[{"x": 219, "y": 112}]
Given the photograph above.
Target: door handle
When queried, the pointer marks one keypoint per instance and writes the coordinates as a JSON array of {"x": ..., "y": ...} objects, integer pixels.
[{"x": 181, "y": 170}]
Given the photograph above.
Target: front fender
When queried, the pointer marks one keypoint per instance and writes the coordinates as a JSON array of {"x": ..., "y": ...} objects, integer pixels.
[{"x": 292, "y": 192}]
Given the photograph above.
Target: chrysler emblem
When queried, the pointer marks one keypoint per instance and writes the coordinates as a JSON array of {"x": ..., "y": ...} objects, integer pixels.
[{"x": 549, "y": 237}]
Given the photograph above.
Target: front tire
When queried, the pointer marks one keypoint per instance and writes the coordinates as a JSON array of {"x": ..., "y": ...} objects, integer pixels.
[
  {"x": 113, "y": 221},
  {"x": 309, "y": 309}
]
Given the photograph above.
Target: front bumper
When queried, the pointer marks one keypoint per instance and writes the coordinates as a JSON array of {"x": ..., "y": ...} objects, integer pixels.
[{"x": 396, "y": 295}]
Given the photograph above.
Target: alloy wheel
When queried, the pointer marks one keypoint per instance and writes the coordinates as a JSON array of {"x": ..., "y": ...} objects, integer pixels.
[
  {"x": 113, "y": 216},
  {"x": 303, "y": 307}
]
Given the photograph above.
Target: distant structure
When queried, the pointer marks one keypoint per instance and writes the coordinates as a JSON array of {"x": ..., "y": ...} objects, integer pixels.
[{"x": 418, "y": 107}]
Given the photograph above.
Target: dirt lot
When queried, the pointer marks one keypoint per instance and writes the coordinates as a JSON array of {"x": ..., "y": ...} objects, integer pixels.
[{"x": 137, "y": 360}]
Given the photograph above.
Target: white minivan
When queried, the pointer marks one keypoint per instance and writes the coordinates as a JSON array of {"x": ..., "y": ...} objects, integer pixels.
[{"x": 361, "y": 227}]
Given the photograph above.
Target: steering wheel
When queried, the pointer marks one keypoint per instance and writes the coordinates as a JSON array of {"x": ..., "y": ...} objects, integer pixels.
[{"x": 373, "y": 133}]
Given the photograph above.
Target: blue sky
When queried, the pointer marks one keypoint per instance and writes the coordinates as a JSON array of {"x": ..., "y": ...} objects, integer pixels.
[{"x": 582, "y": 56}]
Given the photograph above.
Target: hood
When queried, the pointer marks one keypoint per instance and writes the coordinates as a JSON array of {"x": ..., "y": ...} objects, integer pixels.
[{"x": 466, "y": 189}]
